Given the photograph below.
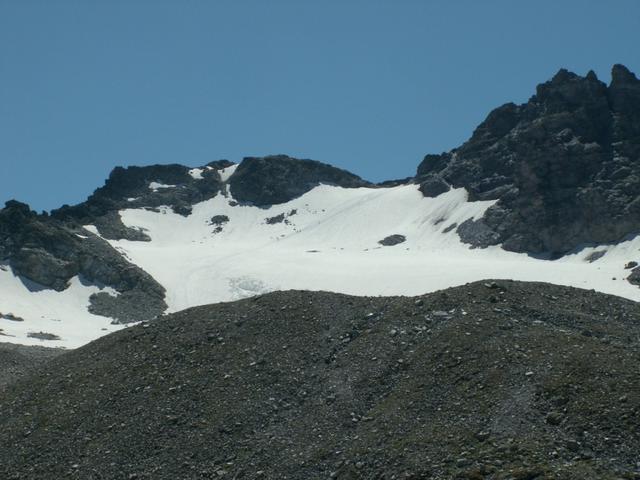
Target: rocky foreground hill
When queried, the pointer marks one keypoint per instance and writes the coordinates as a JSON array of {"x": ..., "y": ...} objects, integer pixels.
[{"x": 491, "y": 380}]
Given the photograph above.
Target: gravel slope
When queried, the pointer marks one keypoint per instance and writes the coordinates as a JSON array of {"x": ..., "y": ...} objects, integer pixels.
[
  {"x": 503, "y": 380},
  {"x": 17, "y": 361}
]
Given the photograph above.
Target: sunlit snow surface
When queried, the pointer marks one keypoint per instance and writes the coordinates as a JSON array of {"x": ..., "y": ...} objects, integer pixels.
[
  {"x": 327, "y": 241},
  {"x": 196, "y": 173},
  {"x": 331, "y": 243},
  {"x": 225, "y": 173},
  {"x": 63, "y": 314}
]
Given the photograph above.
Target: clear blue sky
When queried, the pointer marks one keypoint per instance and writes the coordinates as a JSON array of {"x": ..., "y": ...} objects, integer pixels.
[{"x": 370, "y": 86}]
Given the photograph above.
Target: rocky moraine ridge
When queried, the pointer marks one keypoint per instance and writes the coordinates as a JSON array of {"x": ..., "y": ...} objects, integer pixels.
[
  {"x": 491, "y": 380},
  {"x": 564, "y": 169}
]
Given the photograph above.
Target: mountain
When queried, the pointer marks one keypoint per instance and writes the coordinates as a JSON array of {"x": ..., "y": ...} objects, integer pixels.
[
  {"x": 491, "y": 380},
  {"x": 564, "y": 167},
  {"x": 546, "y": 191}
]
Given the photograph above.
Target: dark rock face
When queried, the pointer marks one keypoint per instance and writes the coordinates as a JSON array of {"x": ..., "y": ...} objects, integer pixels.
[
  {"x": 264, "y": 181},
  {"x": 111, "y": 227},
  {"x": 131, "y": 188},
  {"x": 477, "y": 233},
  {"x": 433, "y": 185},
  {"x": 634, "y": 278},
  {"x": 391, "y": 240},
  {"x": 50, "y": 252},
  {"x": 218, "y": 222},
  {"x": 275, "y": 219},
  {"x": 313, "y": 385},
  {"x": 565, "y": 166}
]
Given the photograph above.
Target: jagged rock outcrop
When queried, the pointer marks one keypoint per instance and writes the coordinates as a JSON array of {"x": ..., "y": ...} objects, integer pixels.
[
  {"x": 144, "y": 187},
  {"x": 564, "y": 167},
  {"x": 50, "y": 252},
  {"x": 260, "y": 181},
  {"x": 264, "y": 181}
]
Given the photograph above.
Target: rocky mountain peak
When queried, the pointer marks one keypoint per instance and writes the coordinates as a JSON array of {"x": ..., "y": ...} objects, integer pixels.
[
  {"x": 259, "y": 181},
  {"x": 274, "y": 179},
  {"x": 146, "y": 187},
  {"x": 591, "y": 76},
  {"x": 567, "y": 91},
  {"x": 15, "y": 211},
  {"x": 621, "y": 75},
  {"x": 624, "y": 97},
  {"x": 564, "y": 167}
]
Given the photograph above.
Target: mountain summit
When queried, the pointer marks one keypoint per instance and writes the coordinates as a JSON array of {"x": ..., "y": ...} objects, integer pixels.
[
  {"x": 564, "y": 167},
  {"x": 555, "y": 178}
]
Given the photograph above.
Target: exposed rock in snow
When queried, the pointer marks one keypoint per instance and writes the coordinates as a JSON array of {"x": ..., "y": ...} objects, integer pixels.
[
  {"x": 278, "y": 179},
  {"x": 392, "y": 240}
]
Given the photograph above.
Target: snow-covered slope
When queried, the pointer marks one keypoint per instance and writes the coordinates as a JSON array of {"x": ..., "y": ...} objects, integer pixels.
[
  {"x": 29, "y": 314},
  {"x": 326, "y": 239}
]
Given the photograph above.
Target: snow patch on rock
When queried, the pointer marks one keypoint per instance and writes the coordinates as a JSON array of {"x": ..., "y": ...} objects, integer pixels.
[{"x": 155, "y": 186}]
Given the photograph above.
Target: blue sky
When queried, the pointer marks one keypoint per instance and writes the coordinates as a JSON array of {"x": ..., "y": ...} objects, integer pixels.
[{"x": 370, "y": 86}]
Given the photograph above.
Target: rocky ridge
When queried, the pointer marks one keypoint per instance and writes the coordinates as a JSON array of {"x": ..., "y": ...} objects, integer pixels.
[
  {"x": 491, "y": 380},
  {"x": 264, "y": 181},
  {"x": 49, "y": 253},
  {"x": 175, "y": 186},
  {"x": 564, "y": 167}
]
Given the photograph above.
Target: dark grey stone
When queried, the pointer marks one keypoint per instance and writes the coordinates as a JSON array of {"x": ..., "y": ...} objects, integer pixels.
[
  {"x": 275, "y": 219},
  {"x": 43, "y": 336},
  {"x": 219, "y": 220},
  {"x": 392, "y": 240},
  {"x": 597, "y": 255},
  {"x": 432, "y": 185},
  {"x": 477, "y": 233}
]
